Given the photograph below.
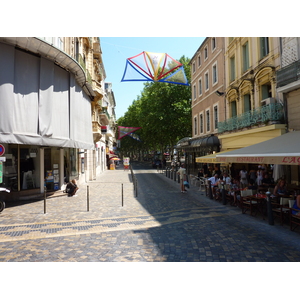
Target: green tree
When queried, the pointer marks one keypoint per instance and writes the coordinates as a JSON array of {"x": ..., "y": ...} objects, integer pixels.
[{"x": 163, "y": 111}]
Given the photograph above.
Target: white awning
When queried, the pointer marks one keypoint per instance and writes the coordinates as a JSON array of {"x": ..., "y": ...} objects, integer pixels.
[
  {"x": 211, "y": 158},
  {"x": 282, "y": 150}
]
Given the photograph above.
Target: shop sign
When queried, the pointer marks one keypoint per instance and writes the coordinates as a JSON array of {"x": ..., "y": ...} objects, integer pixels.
[{"x": 2, "y": 150}]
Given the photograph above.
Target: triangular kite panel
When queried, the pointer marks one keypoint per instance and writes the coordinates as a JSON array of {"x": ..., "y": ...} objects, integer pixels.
[
  {"x": 151, "y": 66},
  {"x": 131, "y": 73},
  {"x": 178, "y": 77},
  {"x": 123, "y": 131}
]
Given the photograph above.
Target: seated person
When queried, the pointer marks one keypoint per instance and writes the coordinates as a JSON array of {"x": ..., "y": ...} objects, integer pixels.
[
  {"x": 280, "y": 189},
  {"x": 235, "y": 187},
  {"x": 226, "y": 179},
  {"x": 200, "y": 174},
  {"x": 296, "y": 206},
  {"x": 214, "y": 183},
  {"x": 267, "y": 180},
  {"x": 71, "y": 188},
  {"x": 252, "y": 185}
]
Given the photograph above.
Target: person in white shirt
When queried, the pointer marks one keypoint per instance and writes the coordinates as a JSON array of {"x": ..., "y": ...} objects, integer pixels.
[
  {"x": 182, "y": 174},
  {"x": 226, "y": 179},
  {"x": 214, "y": 183}
]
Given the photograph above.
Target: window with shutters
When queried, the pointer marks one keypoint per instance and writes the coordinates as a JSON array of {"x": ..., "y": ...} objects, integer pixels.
[
  {"x": 232, "y": 68},
  {"x": 264, "y": 46},
  {"x": 246, "y": 64},
  {"x": 247, "y": 103}
]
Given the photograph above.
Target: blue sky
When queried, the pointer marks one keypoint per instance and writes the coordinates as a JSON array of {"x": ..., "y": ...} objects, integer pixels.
[{"x": 115, "y": 51}]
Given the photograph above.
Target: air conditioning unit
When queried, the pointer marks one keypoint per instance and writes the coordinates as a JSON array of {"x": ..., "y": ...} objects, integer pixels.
[{"x": 268, "y": 101}]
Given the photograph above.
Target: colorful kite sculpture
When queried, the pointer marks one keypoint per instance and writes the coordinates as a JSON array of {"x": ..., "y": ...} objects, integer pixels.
[
  {"x": 123, "y": 131},
  {"x": 158, "y": 67}
]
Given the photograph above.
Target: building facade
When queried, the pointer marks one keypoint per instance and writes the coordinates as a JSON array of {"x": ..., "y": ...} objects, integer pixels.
[
  {"x": 48, "y": 87},
  {"x": 288, "y": 86},
  {"x": 208, "y": 104},
  {"x": 254, "y": 109}
]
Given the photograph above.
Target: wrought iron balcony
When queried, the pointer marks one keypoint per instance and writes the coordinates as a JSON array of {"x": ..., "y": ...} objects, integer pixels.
[
  {"x": 261, "y": 115},
  {"x": 83, "y": 65},
  {"x": 288, "y": 74}
]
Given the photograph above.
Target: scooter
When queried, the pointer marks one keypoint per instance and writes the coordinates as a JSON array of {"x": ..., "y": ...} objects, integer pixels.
[{"x": 2, "y": 203}]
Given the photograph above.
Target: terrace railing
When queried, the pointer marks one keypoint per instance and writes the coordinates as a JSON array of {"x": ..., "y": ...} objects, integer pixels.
[{"x": 262, "y": 115}]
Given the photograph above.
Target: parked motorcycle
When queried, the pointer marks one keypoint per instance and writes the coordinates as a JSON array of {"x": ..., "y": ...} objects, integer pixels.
[{"x": 2, "y": 203}]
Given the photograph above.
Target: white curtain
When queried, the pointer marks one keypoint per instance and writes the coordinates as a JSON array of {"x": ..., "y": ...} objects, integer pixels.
[
  {"x": 41, "y": 103},
  {"x": 278, "y": 172}
]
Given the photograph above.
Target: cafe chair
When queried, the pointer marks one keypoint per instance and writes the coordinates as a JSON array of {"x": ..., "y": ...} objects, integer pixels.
[
  {"x": 294, "y": 220},
  {"x": 281, "y": 209},
  {"x": 248, "y": 202},
  {"x": 202, "y": 181},
  {"x": 206, "y": 187}
]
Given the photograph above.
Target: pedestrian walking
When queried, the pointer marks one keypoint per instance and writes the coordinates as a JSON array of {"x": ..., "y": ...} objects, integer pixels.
[
  {"x": 260, "y": 175},
  {"x": 182, "y": 174}
]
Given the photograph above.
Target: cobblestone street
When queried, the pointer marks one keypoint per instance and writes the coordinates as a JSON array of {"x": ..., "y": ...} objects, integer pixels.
[{"x": 160, "y": 224}]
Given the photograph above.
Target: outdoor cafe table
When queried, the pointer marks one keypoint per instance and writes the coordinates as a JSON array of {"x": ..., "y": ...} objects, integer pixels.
[{"x": 261, "y": 200}]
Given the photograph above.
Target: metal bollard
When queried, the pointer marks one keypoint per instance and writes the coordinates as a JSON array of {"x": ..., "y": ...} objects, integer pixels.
[
  {"x": 88, "y": 198},
  {"x": 269, "y": 206},
  {"x": 122, "y": 195},
  {"x": 45, "y": 196},
  {"x": 210, "y": 191},
  {"x": 223, "y": 194},
  {"x": 136, "y": 193}
]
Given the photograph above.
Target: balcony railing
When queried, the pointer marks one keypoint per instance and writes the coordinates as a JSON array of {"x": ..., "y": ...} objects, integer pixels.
[
  {"x": 261, "y": 115},
  {"x": 83, "y": 65},
  {"x": 288, "y": 74}
]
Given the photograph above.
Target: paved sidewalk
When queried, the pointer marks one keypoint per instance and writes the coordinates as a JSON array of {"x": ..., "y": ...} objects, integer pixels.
[{"x": 105, "y": 199}]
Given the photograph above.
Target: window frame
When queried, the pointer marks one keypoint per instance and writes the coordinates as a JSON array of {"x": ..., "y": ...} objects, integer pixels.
[
  {"x": 246, "y": 56},
  {"x": 207, "y": 115},
  {"x": 201, "y": 123},
  {"x": 216, "y": 116},
  {"x": 205, "y": 53},
  {"x": 206, "y": 76},
  {"x": 264, "y": 45},
  {"x": 213, "y": 44},
  {"x": 200, "y": 86},
  {"x": 215, "y": 65},
  {"x": 199, "y": 61},
  {"x": 232, "y": 68}
]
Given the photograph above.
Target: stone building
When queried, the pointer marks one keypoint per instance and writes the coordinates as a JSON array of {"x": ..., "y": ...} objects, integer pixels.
[{"x": 51, "y": 93}]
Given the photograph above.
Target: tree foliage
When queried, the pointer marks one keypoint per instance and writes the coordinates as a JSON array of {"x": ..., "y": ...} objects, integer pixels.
[{"x": 163, "y": 110}]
